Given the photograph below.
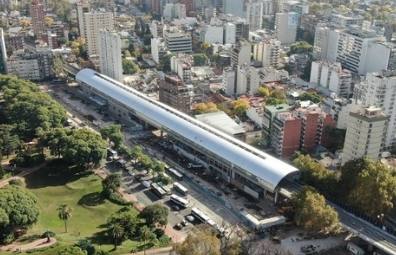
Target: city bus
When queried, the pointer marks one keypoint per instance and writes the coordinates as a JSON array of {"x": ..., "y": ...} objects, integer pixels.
[
  {"x": 158, "y": 190},
  {"x": 199, "y": 215},
  {"x": 180, "y": 188},
  {"x": 179, "y": 201},
  {"x": 175, "y": 173}
]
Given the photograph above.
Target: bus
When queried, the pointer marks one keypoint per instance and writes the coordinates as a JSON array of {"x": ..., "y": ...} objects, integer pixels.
[
  {"x": 179, "y": 201},
  {"x": 158, "y": 190},
  {"x": 175, "y": 173},
  {"x": 180, "y": 188},
  {"x": 200, "y": 215}
]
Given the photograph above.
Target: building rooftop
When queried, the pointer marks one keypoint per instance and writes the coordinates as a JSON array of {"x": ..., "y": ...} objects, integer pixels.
[{"x": 221, "y": 121}]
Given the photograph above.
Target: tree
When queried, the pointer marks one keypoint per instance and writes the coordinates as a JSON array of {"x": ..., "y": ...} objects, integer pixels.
[
  {"x": 240, "y": 106},
  {"x": 49, "y": 21},
  {"x": 116, "y": 231},
  {"x": 335, "y": 138},
  {"x": 129, "y": 67},
  {"x": 313, "y": 214},
  {"x": 263, "y": 91},
  {"x": 316, "y": 175},
  {"x": 380, "y": 181},
  {"x": 164, "y": 63},
  {"x": 311, "y": 96},
  {"x": 87, "y": 246},
  {"x": 155, "y": 214},
  {"x": 111, "y": 184},
  {"x": 200, "y": 59},
  {"x": 27, "y": 109},
  {"x": 201, "y": 242},
  {"x": 84, "y": 147},
  {"x": 64, "y": 213},
  {"x": 9, "y": 142},
  {"x": 274, "y": 101},
  {"x": 205, "y": 108},
  {"x": 128, "y": 220},
  {"x": 71, "y": 250},
  {"x": 18, "y": 210},
  {"x": 300, "y": 47},
  {"x": 146, "y": 235},
  {"x": 113, "y": 133}
]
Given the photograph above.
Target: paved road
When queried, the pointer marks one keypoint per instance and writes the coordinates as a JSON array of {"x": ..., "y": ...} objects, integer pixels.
[{"x": 367, "y": 231}]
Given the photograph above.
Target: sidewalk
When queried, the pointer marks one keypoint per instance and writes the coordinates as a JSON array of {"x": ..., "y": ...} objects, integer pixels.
[{"x": 157, "y": 251}]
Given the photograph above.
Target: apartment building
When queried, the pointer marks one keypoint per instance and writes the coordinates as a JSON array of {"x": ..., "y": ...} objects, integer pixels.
[
  {"x": 94, "y": 22},
  {"x": 286, "y": 134},
  {"x": 267, "y": 52},
  {"x": 286, "y": 24},
  {"x": 254, "y": 14},
  {"x": 332, "y": 77},
  {"x": 379, "y": 89},
  {"x": 365, "y": 134},
  {"x": 37, "y": 12},
  {"x": 110, "y": 54}
]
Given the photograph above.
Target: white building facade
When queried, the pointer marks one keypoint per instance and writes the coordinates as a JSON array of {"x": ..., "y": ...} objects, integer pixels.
[{"x": 110, "y": 54}]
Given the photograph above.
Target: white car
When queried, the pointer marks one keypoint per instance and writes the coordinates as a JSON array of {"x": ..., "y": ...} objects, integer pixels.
[{"x": 146, "y": 184}]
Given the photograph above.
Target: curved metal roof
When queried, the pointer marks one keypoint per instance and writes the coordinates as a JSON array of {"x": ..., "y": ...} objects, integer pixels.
[{"x": 259, "y": 166}]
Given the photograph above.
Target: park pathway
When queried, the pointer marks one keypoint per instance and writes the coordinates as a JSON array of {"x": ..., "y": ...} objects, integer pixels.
[{"x": 36, "y": 244}]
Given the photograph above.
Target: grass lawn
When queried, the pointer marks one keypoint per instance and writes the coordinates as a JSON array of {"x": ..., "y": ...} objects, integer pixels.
[{"x": 82, "y": 193}]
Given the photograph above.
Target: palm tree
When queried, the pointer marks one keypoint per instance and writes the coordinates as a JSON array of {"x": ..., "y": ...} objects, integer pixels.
[
  {"x": 116, "y": 231},
  {"x": 64, "y": 213},
  {"x": 146, "y": 234}
]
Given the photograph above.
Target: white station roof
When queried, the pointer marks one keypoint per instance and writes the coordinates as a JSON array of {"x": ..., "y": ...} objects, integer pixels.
[{"x": 266, "y": 170}]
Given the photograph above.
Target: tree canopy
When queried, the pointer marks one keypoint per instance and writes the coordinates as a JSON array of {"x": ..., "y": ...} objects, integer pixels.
[
  {"x": 113, "y": 133},
  {"x": 111, "y": 184},
  {"x": 300, "y": 47},
  {"x": 28, "y": 109},
  {"x": 129, "y": 67},
  {"x": 201, "y": 242},
  {"x": 311, "y": 96},
  {"x": 205, "y": 108},
  {"x": 240, "y": 106},
  {"x": 19, "y": 209},
  {"x": 373, "y": 188},
  {"x": 155, "y": 214},
  {"x": 313, "y": 214}
]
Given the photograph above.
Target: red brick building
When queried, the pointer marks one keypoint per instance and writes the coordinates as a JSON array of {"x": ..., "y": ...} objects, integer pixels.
[
  {"x": 300, "y": 129},
  {"x": 286, "y": 134}
]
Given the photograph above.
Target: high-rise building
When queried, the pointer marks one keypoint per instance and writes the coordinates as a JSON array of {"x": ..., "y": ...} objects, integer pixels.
[
  {"x": 361, "y": 52},
  {"x": 214, "y": 33},
  {"x": 254, "y": 15},
  {"x": 229, "y": 33},
  {"x": 332, "y": 77},
  {"x": 3, "y": 53},
  {"x": 286, "y": 27},
  {"x": 365, "y": 134},
  {"x": 177, "y": 41},
  {"x": 158, "y": 49},
  {"x": 314, "y": 121},
  {"x": 174, "y": 11},
  {"x": 110, "y": 54},
  {"x": 234, "y": 7},
  {"x": 37, "y": 13},
  {"x": 247, "y": 80},
  {"x": 189, "y": 5},
  {"x": 94, "y": 22},
  {"x": 156, "y": 6},
  {"x": 268, "y": 7},
  {"x": 379, "y": 89},
  {"x": 286, "y": 134},
  {"x": 267, "y": 52},
  {"x": 357, "y": 50},
  {"x": 82, "y": 7},
  {"x": 241, "y": 53}
]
